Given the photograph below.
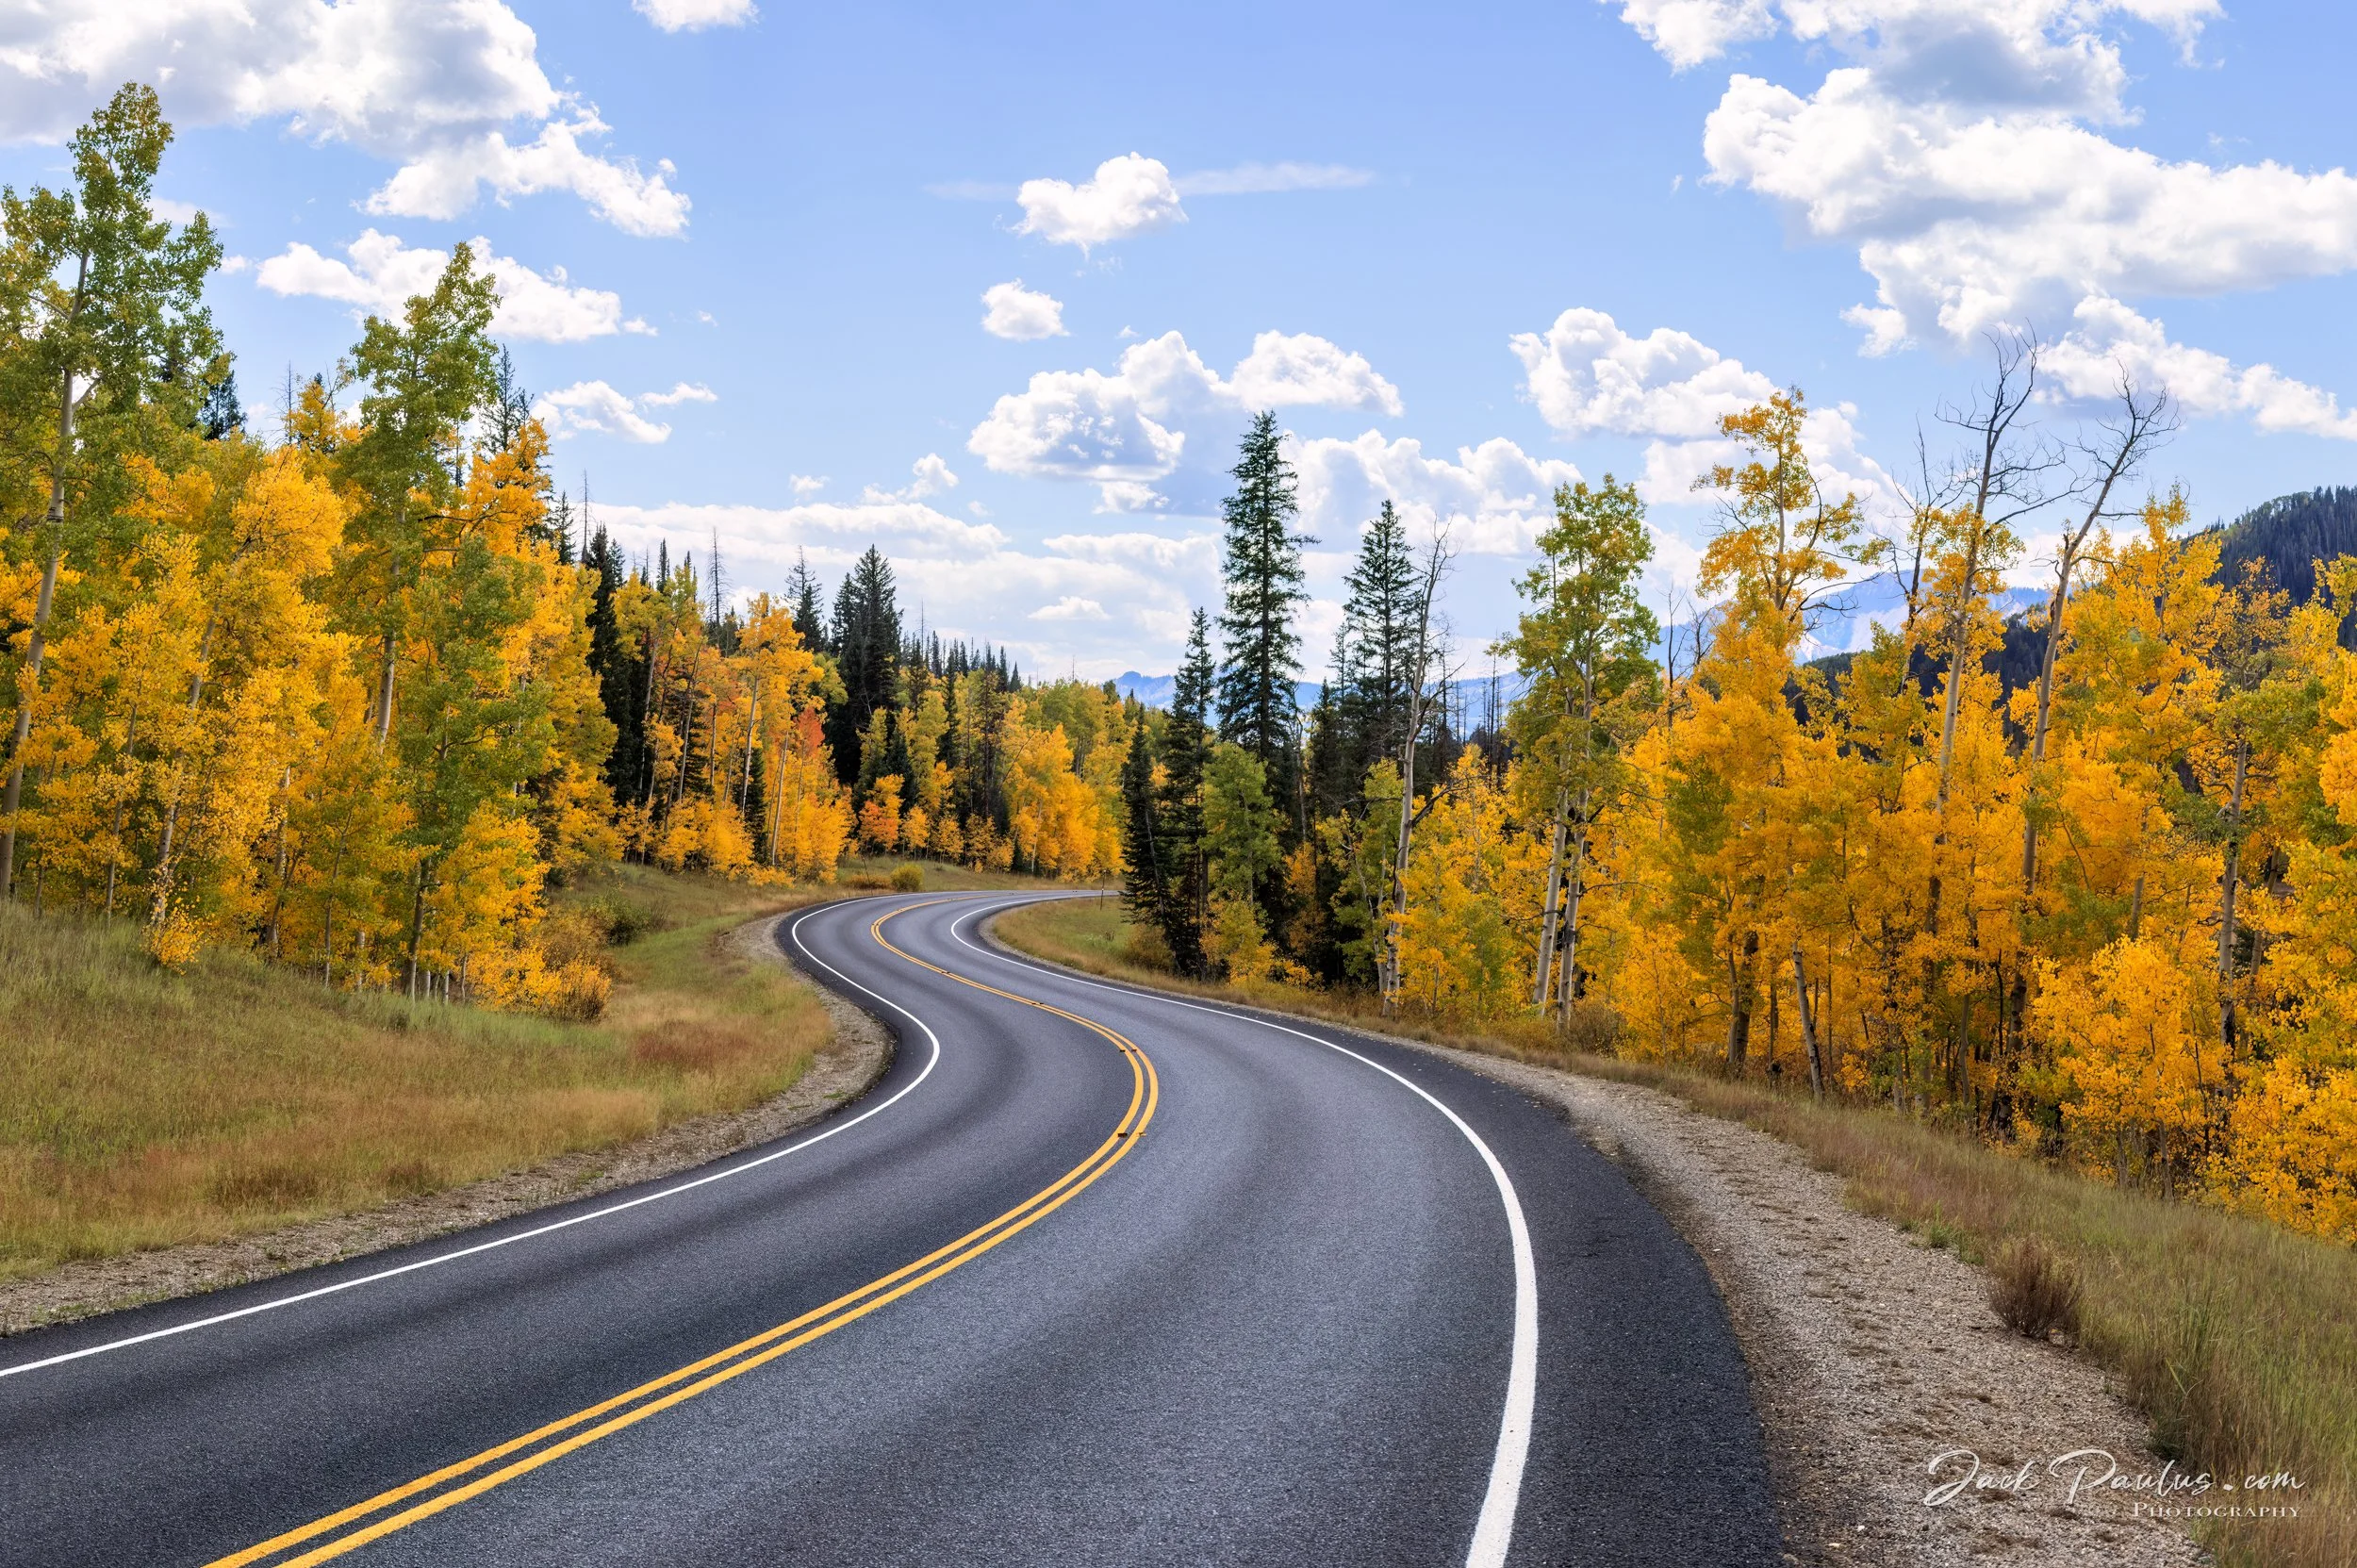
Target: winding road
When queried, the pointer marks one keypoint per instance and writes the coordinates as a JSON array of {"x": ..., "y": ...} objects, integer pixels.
[{"x": 1091, "y": 1275}]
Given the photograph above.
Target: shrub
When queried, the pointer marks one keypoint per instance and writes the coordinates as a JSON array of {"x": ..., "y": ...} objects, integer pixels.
[
  {"x": 2035, "y": 1291},
  {"x": 908, "y": 879}
]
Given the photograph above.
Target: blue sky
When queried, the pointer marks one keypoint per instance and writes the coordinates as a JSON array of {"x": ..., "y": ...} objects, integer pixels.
[{"x": 1465, "y": 252}]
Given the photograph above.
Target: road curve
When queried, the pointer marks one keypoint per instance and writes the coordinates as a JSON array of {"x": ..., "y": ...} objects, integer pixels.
[{"x": 1091, "y": 1275}]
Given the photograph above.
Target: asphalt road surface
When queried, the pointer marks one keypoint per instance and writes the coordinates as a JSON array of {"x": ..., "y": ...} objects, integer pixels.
[{"x": 1091, "y": 1276}]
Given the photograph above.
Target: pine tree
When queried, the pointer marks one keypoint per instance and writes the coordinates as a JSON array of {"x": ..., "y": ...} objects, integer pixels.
[
  {"x": 1186, "y": 760},
  {"x": 867, "y": 643},
  {"x": 1385, "y": 596},
  {"x": 1146, "y": 884},
  {"x": 1262, "y": 561},
  {"x": 223, "y": 414},
  {"x": 801, "y": 593}
]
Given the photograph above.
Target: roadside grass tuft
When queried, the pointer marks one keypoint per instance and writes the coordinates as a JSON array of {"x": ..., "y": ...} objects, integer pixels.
[{"x": 2236, "y": 1337}]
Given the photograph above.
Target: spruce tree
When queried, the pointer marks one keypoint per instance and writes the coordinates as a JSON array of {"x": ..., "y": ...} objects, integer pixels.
[
  {"x": 1145, "y": 884},
  {"x": 223, "y": 412},
  {"x": 1380, "y": 616},
  {"x": 1186, "y": 757},
  {"x": 801, "y": 591},
  {"x": 867, "y": 638},
  {"x": 1262, "y": 561}
]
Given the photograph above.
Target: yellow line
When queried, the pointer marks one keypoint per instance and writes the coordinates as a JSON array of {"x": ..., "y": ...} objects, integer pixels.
[{"x": 1145, "y": 1095}]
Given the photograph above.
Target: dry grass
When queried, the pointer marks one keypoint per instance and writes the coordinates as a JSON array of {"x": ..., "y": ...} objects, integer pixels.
[
  {"x": 139, "y": 1109},
  {"x": 2034, "y": 1293},
  {"x": 2237, "y": 1338}
]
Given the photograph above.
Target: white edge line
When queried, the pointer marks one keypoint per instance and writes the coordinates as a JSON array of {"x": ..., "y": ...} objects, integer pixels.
[
  {"x": 795, "y": 930},
  {"x": 1493, "y": 1531}
]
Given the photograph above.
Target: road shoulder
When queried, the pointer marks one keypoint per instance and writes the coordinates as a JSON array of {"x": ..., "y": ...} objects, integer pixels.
[
  {"x": 842, "y": 1071},
  {"x": 1868, "y": 1351}
]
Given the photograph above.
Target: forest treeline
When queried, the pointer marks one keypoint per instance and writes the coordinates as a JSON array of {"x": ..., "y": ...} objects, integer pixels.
[
  {"x": 2106, "y": 915},
  {"x": 355, "y": 693}
]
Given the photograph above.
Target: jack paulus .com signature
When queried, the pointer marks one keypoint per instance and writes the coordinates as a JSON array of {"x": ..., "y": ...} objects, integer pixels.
[{"x": 2093, "y": 1473}]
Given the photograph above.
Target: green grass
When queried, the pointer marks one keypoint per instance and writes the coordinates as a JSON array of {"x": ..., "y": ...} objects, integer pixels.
[{"x": 2236, "y": 1337}]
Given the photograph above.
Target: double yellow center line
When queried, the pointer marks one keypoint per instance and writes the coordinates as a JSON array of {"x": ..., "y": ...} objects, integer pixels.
[{"x": 349, "y": 1528}]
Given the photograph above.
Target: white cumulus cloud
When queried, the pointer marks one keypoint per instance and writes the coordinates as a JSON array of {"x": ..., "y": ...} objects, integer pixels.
[
  {"x": 1071, "y": 607},
  {"x": 594, "y": 407},
  {"x": 1586, "y": 374},
  {"x": 439, "y": 88},
  {"x": 1127, "y": 196},
  {"x": 1494, "y": 497},
  {"x": 382, "y": 275},
  {"x": 1104, "y": 602},
  {"x": 1021, "y": 314},
  {"x": 1125, "y": 430},
  {"x": 1975, "y": 155},
  {"x": 929, "y": 474},
  {"x": 675, "y": 16},
  {"x": 2108, "y": 340}
]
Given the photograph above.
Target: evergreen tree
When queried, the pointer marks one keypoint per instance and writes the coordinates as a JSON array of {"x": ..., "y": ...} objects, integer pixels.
[
  {"x": 866, "y": 642},
  {"x": 223, "y": 412},
  {"x": 1262, "y": 561},
  {"x": 508, "y": 406},
  {"x": 1145, "y": 885},
  {"x": 1381, "y": 619},
  {"x": 802, "y": 594},
  {"x": 1186, "y": 758},
  {"x": 619, "y": 666}
]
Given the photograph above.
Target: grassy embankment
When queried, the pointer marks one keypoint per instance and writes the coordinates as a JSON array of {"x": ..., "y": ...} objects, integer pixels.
[
  {"x": 139, "y": 1109},
  {"x": 2237, "y": 1338}
]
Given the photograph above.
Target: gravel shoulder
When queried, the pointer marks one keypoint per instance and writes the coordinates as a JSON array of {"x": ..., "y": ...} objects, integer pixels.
[
  {"x": 841, "y": 1071},
  {"x": 1871, "y": 1353}
]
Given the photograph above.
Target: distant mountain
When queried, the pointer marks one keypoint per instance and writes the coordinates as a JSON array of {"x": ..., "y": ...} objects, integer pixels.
[{"x": 2290, "y": 535}]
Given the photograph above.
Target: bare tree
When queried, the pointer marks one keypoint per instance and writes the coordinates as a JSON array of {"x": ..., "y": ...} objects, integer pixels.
[
  {"x": 2144, "y": 421},
  {"x": 2006, "y": 479},
  {"x": 1422, "y": 700}
]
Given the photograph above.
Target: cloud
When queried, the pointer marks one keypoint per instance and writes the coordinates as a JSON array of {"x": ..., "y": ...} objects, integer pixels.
[
  {"x": 1970, "y": 152},
  {"x": 1586, "y": 374},
  {"x": 1284, "y": 371},
  {"x": 1129, "y": 495},
  {"x": 445, "y": 183},
  {"x": 807, "y": 484},
  {"x": 433, "y": 86},
  {"x": 1127, "y": 197},
  {"x": 1111, "y": 600},
  {"x": 1120, "y": 430},
  {"x": 1021, "y": 314},
  {"x": 593, "y": 408},
  {"x": 933, "y": 476},
  {"x": 674, "y": 16},
  {"x": 2108, "y": 340},
  {"x": 1687, "y": 32},
  {"x": 382, "y": 275},
  {"x": 1071, "y": 607},
  {"x": 1494, "y": 499},
  {"x": 1253, "y": 179}
]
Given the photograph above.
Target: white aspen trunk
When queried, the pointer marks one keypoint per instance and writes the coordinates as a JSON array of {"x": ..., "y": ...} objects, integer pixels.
[
  {"x": 1539, "y": 989},
  {"x": 1809, "y": 1026}
]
